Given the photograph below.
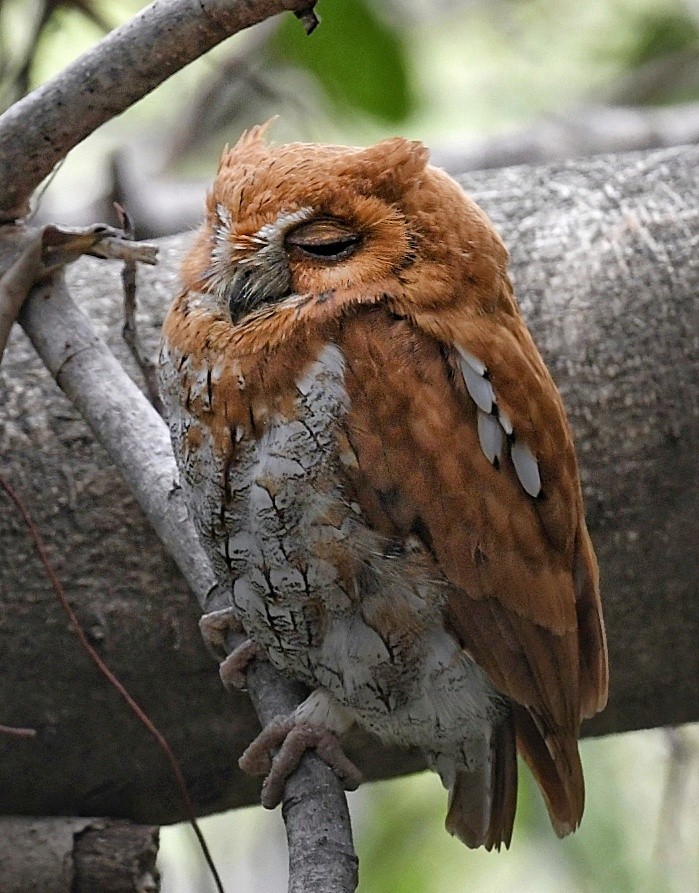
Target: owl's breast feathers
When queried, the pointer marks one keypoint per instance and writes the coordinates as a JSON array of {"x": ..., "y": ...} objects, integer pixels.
[
  {"x": 454, "y": 434},
  {"x": 523, "y": 600}
]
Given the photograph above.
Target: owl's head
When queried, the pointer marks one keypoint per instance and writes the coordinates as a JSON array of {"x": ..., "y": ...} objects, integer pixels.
[{"x": 359, "y": 225}]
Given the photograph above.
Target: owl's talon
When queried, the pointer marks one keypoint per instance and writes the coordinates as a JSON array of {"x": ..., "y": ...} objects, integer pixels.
[
  {"x": 294, "y": 739},
  {"x": 256, "y": 759},
  {"x": 233, "y": 669},
  {"x": 216, "y": 625}
]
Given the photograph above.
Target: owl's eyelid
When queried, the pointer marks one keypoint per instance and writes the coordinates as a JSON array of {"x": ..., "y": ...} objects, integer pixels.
[
  {"x": 325, "y": 237},
  {"x": 338, "y": 250}
]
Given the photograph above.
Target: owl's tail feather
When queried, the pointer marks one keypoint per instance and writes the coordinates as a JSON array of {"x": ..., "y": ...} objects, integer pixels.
[
  {"x": 482, "y": 804},
  {"x": 554, "y": 760}
]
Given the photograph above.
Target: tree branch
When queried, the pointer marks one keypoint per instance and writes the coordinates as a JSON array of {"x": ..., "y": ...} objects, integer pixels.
[
  {"x": 321, "y": 854},
  {"x": 110, "y": 77},
  {"x": 604, "y": 260},
  {"x": 577, "y": 133},
  {"x": 66, "y": 855}
]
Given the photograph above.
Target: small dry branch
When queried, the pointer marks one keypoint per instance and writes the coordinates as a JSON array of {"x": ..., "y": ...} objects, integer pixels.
[{"x": 162, "y": 39}]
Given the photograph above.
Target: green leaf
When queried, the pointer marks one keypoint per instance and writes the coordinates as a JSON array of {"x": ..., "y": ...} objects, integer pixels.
[
  {"x": 660, "y": 34},
  {"x": 357, "y": 57}
]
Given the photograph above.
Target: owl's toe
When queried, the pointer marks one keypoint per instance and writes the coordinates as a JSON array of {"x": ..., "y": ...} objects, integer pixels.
[
  {"x": 216, "y": 625},
  {"x": 293, "y": 740},
  {"x": 233, "y": 669}
]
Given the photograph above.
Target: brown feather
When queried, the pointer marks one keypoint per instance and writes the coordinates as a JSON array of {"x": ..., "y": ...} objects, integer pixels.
[
  {"x": 482, "y": 805},
  {"x": 513, "y": 603},
  {"x": 554, "y": 761}
]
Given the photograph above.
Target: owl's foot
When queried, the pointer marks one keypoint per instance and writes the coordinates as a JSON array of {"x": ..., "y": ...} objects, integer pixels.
[
  {"x": 232, "y": 670},
  {"x": 294, "y": 735},
  {"x": 216, "y": 625}
]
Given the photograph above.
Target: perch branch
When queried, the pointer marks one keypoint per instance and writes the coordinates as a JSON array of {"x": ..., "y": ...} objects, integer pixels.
[
  {"x": 41, "y": 252},
  {"x": 321, "y": 853},
  {"x": 153, "y": 45}
]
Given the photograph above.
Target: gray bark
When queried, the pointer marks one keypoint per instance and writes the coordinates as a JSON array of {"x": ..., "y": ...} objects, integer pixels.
[
  {"x": 605, "y": 263},
  {"x": 60, "y": 855}
]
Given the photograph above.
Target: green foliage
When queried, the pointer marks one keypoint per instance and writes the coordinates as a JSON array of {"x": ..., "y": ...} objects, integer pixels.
[
  {"x": 359, "y": 59},
  {"x": 659, "y": 33}
]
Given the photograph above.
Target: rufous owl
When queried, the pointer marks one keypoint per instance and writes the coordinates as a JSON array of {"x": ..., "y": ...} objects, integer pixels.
[{"x": 379, "y": 466}]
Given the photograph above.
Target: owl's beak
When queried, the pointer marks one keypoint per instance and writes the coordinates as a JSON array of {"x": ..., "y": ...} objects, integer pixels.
[
  {"x": 240, "y": 291},
  {"x": 258, "y": 279}
]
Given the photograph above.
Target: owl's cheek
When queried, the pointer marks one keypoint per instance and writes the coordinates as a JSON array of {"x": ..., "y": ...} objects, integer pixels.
[
  {"x": 359, "y": 276},
  {"x": 314, "y": 277}
]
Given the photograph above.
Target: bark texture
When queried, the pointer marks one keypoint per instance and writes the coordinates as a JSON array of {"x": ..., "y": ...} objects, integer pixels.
[
  {"x": 52, "y": 855},
  {"x": 606, "y": 267}
]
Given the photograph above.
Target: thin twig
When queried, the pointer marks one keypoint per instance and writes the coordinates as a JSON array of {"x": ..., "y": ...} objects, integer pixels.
[
  {"x": 138, "y": 711},
  {"x": 42, "y": 252},
  {"x": 47, "y": 8},
  {"x": 41, "y": 192},
  {"x": 15, "y": 285},
  {"x": 64, "y": 244},
  {"x": 129, "y": 330},
  {"x": 17, "y": 731}
]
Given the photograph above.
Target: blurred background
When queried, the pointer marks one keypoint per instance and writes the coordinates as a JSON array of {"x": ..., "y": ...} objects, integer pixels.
[{"x": 485, "y": 84}]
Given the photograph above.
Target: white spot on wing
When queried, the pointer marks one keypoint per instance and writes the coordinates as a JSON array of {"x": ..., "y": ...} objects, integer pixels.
[
  {"x": 504, "y": 420},
  {"x": 527, "y": 468},
  {"x": 473, "y": 362},
  {"x": 493, "y": 423},
  {"x": 478, "y": 387},
  {"x": 490, "y": 435}
]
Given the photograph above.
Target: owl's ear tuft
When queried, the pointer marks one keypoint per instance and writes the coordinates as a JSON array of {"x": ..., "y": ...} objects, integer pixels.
[
  {"x": 392, "y": 165},
  {"x": 257, "y": 133},
  {"x": 249, "y": 139}
]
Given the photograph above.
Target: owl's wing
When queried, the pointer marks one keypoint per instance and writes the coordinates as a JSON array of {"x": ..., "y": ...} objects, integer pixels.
[{"x": 466, "y": 446}]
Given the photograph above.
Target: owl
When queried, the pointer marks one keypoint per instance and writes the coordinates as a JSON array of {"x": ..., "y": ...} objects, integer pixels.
[{"x": 380, "y": 468}]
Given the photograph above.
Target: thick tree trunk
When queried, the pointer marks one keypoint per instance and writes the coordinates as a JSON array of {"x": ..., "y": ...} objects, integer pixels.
[
  {"x": 606, "y": 265},
  {"x": 58, "y": 855}
]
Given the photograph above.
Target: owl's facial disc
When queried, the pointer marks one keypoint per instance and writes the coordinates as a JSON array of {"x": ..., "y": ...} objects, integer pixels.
[{"x": 263, "y": 275}]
